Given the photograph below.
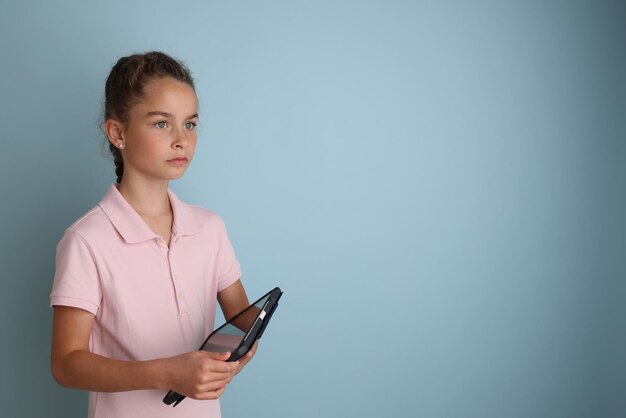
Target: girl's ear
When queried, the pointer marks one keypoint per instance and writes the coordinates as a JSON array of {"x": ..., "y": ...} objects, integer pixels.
[{"x": 114, "y": 130}]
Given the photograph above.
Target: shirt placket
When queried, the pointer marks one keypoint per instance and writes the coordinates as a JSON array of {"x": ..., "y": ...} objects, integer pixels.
[{"x": 174, "y": 275}]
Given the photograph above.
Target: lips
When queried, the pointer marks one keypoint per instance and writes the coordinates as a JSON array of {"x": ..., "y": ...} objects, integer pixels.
[{"x": 178, "y": 161}]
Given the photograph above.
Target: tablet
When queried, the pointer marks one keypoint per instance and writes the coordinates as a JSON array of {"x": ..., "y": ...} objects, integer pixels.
[{"x": 239, "y": 334}]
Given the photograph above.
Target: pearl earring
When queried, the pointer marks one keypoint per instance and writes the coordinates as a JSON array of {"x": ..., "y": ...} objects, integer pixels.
[{"x": 121, "y": 146}]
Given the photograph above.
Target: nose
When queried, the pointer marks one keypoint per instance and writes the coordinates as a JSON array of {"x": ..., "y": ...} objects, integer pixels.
[{"x": 180, "y": 139}]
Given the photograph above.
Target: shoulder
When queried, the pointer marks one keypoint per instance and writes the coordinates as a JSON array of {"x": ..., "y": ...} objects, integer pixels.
[
  {"x": 197, "y": 218},
  {"x": 192, "y": 218},
  {"x": 92, "y": 224},
  {"x": 207, "y": 218},
  {"x": 78, "y": 237}
]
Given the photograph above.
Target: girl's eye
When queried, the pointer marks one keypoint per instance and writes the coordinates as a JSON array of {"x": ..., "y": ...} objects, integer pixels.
[
  {"x": 161, "y": 124},
  {"x": 190, "y": 125}
]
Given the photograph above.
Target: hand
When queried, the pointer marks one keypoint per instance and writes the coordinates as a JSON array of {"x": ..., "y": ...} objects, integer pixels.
[
  {"x": 245, "y": 359},
  {"x": 201, "y": 375}
]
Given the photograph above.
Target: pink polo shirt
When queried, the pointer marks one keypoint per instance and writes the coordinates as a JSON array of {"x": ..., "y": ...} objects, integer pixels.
[{"x": 149, "y": 301}]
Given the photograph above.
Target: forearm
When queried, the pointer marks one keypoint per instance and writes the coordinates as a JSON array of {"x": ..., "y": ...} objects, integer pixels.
[
  {"x": 197, "y": 374},
  {"x": 82, "y": 369}
]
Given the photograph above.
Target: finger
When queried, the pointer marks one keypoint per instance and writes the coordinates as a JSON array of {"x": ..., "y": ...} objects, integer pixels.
[
  {"x": 212, "y": 386},
  {"x": 217, "y": 366},
  {"x": 212, "y": 377},
  {"x": 243, "y": 362},
  {"x": 247, "y": 358},
  {"x": 213, "y": 394},
  {"x": 218, "y": 356},
  {"x": 220, "y": 367}
]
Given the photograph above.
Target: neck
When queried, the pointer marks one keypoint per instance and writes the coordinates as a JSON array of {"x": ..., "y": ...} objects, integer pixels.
[{"x": 148, "y": 198}]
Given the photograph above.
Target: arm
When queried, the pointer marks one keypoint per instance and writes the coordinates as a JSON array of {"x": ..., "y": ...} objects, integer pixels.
[
  {"x": 233, "y": 300},
  {"x": 199, "y": 375}
]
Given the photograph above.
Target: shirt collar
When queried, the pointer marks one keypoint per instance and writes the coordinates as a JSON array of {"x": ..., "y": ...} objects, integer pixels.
[
  {"x": 186, "y": 221},
  {"x": 133, "y": 228}
]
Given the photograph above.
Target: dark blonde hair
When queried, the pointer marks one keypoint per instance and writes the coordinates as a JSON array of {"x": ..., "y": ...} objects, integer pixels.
[{"x": 126, "y": 85}]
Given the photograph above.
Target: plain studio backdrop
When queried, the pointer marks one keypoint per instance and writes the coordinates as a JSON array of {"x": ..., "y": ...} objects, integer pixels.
[{"x": 438, "y": 188}]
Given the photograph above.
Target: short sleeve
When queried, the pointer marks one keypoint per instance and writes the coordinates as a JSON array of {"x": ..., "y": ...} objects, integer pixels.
[
  {"x": 228, "y": 268},
  {"x": 76, "y": 279}
]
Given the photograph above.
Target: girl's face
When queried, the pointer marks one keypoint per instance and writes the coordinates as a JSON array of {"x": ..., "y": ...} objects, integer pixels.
[{"x": 160, "y": 135}]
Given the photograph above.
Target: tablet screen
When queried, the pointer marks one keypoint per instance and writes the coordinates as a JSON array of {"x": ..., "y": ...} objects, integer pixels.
[{"x": 229, "y": 336}]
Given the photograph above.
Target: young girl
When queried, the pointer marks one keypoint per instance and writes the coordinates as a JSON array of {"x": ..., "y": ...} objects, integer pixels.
[{"x": 137, "y": 276}]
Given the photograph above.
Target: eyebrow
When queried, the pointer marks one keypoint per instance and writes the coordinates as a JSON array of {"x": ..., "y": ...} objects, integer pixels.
[{"x": 167, "y": 115}]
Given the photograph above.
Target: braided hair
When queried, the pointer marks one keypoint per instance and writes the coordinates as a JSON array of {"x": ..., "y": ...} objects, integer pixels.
[{"x": 126, "y": 84}]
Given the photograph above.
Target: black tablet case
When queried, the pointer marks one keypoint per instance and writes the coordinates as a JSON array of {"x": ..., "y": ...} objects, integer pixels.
[{"x": 251, "y": 335}]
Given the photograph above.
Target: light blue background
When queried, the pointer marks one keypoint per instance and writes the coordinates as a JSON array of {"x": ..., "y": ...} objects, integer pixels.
[{"x": 438, "y": 187}]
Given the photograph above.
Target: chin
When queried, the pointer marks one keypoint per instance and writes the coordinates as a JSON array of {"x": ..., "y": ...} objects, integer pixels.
[{"x": 176, "y": 176}]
